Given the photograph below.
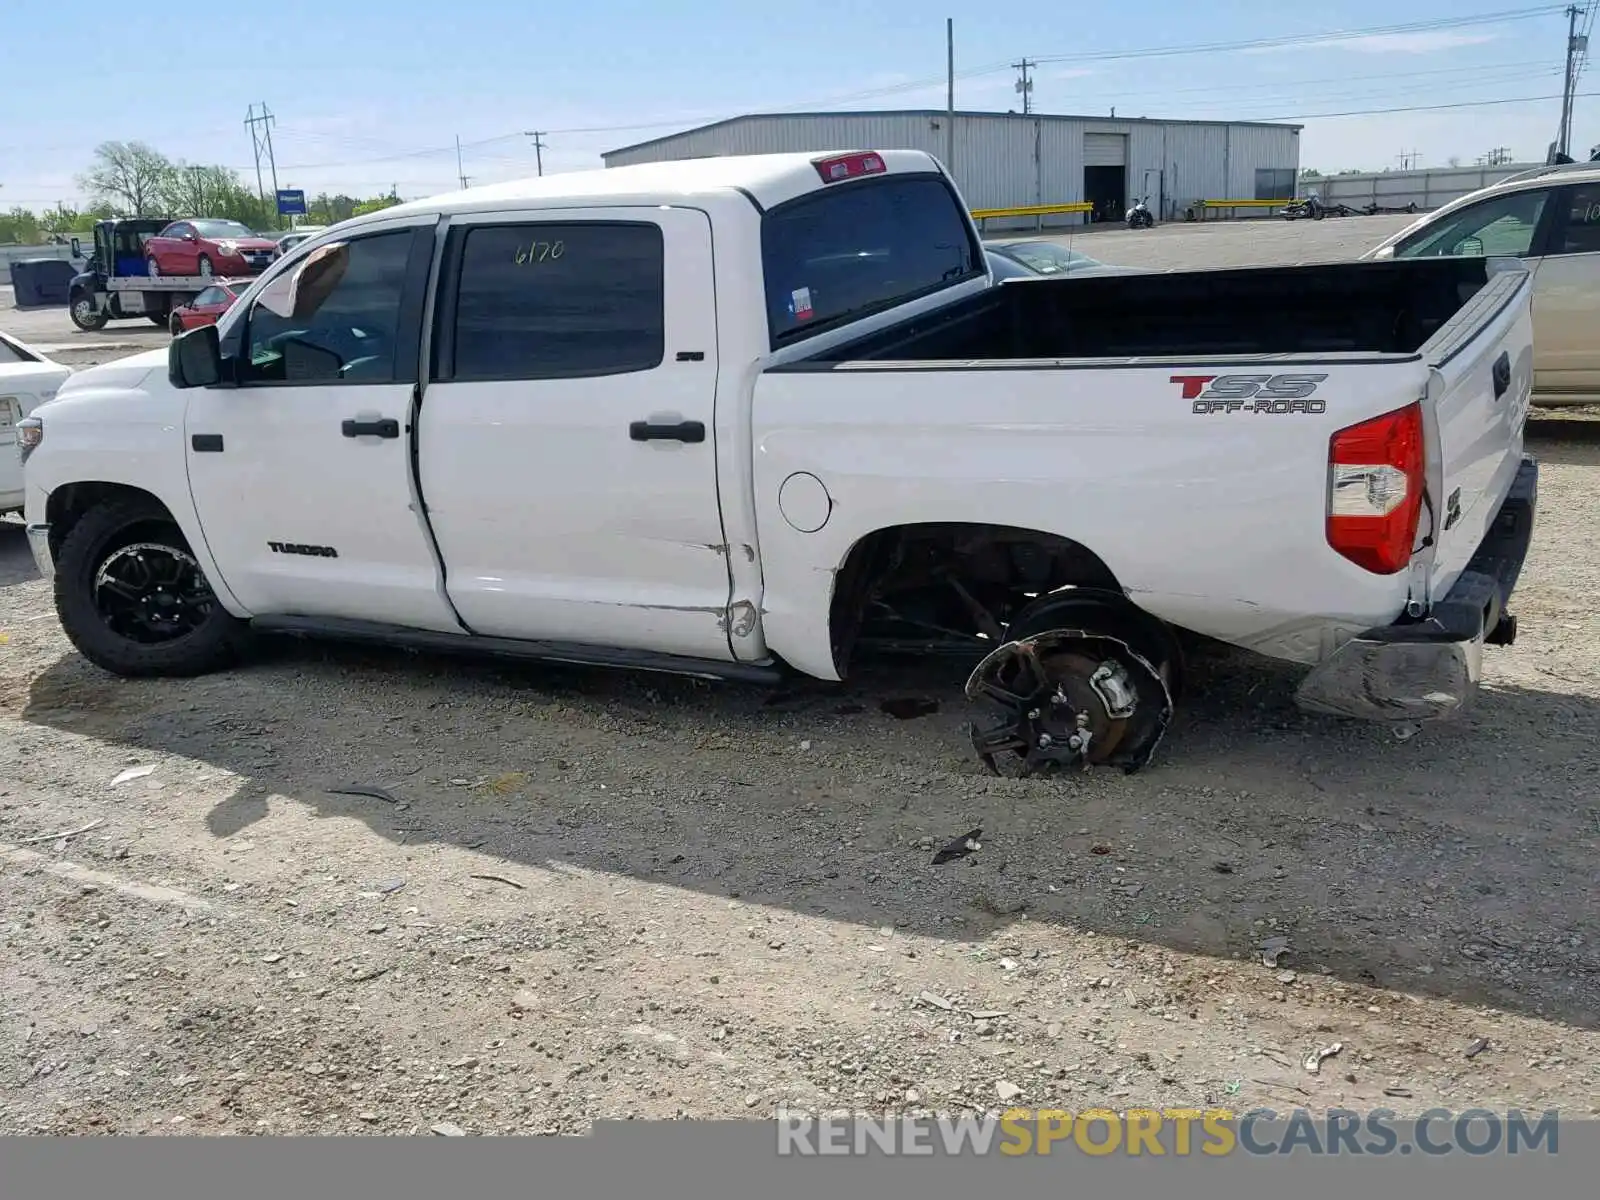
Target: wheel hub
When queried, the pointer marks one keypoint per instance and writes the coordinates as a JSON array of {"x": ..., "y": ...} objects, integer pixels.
[{"x": 1069, "y": 698}]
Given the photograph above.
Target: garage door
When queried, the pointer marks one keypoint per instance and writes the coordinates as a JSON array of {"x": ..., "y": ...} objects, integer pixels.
[{"x": 1105, "y": 149}]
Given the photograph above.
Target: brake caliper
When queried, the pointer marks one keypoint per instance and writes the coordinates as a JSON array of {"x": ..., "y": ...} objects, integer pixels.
[{"x": 1068, "y": 697}]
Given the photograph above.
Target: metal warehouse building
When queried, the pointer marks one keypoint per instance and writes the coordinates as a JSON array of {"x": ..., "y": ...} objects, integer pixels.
[{"x": 1008, "y": 160}]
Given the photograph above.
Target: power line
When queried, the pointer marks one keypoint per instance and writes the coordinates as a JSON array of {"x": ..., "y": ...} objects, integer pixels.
[
  {"x": 1329, "y": 37},
  {"x": 1411, "y": 108},
  {"x": 1314, "y": 39}
]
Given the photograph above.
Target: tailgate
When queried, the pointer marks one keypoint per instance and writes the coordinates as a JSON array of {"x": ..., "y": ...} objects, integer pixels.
[{"x": 1480, "y": 389}]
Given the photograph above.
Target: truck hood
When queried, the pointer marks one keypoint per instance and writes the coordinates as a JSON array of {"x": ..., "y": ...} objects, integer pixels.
[{"x": 127, "y": 372}]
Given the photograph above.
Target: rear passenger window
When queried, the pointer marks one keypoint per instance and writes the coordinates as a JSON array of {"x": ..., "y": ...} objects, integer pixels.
[
  {"x": 1583, "y": 222},
  {"x": 558, "y": 302}
]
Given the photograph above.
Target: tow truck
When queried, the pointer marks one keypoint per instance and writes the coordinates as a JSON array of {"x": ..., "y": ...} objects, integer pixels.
[{"x": 116, "y": 283}]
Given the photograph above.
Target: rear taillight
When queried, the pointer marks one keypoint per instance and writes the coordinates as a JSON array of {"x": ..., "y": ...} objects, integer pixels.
[
  {"x": 1375, "y": 480},
  {"x": 849, "y": 166}
]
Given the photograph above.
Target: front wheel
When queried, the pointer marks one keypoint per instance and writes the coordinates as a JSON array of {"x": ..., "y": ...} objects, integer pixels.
[
  {"x": 85, "y": 315},
  {"x": 132, "y": 598},
  {"x": 205, "y": 266},
  {"x": 174, "y": 325}
]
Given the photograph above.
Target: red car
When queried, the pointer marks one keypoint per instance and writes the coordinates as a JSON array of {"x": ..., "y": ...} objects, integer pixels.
[
  {"x": 207, "y": 246},
  {"x": 205, "y": 308}
]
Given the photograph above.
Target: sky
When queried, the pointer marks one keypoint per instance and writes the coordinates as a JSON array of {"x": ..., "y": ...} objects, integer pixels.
[{"x": 367, "y": 95}]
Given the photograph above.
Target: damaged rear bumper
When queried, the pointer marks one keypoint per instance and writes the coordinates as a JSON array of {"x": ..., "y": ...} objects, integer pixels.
[{"x": 1429, "y": 669}]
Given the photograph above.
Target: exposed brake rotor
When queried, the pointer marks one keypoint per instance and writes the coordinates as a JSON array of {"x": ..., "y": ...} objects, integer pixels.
[{"x": 1068, "y": 697}]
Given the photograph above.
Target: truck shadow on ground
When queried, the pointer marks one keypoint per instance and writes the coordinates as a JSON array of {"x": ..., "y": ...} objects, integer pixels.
[
  {"x": 16, "y": 560},
  {"x": 1459, "y": 863}
]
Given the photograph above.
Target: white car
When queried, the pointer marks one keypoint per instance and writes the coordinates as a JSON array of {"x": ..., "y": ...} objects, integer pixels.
[
  {"x": 543, "y": 419},
  {"x": 294, "y": 237},
  {"x": 1550, "y": 219},
  {"x": 27, "y": 380}
]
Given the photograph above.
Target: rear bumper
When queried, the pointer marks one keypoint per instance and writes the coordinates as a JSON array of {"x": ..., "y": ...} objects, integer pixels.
[{"x": 1429, "y": 669}]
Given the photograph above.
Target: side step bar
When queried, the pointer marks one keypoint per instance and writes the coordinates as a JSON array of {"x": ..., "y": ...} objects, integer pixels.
[{"x": 401, "y": 637}]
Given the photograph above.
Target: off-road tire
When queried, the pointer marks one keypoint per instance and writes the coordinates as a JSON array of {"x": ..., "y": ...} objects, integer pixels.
[{"x": 103, "y": 530}]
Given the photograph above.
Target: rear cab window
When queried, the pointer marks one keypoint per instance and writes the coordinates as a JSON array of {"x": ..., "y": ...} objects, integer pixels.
[{"x": 853, "y": 249}]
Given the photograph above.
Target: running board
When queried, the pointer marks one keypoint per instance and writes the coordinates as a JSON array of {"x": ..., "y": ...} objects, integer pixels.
[{"x": 401, "y": 637}]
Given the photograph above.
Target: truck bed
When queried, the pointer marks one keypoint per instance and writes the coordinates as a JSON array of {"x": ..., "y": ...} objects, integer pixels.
[
  {"x": 1372, "y": 308},
  {"x": 1077, "y": 409}
]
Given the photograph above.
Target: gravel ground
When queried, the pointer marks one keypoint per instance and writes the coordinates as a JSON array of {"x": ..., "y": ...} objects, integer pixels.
[{"x": 587, "y": 894}]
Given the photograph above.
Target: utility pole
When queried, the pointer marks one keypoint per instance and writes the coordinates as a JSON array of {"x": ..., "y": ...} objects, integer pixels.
[
  {"x": 539, "y": 145},
  {"x": 260, "y": 127},
  {"x": 1408, "y": 159},
  {"x": 1576, "y": 44},
  {"x": 459, "y": 169},
  {"x": 950, "y": 96},
  {"x": 1024, "y": 84}
]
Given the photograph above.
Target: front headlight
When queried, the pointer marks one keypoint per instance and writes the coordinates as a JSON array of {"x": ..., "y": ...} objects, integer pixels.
[
  {"x": 30, "y": 432},
  {"x": 228, "y": 248}
]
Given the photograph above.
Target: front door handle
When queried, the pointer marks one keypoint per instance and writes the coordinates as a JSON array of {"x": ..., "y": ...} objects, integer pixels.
[
  {"x": 387, "y": 427},
  {"x": 682, "y": 431}
]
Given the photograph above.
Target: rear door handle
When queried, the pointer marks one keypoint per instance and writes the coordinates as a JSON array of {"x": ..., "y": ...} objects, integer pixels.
[
  {"x": 384, "y": 428},
  {"x": 683, "y": 431}
]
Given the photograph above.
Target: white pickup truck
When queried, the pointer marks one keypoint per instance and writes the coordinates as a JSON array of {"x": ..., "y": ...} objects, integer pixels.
[{"x": 744, "y": 416}]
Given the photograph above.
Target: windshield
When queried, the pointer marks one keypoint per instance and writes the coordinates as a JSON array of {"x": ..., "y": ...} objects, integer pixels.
[
  {"x": 222, "y": 229},
  {"x": 854, "y": 249},
  {"x": 1047, "y": 258}
]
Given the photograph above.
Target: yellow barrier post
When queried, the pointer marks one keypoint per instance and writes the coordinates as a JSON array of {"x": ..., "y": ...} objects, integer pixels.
[
  {"x": 980, "y": 215},
  {"x": 1218, "y": 205}
]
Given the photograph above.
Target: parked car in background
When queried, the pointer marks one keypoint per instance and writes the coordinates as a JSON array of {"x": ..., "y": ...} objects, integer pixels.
[
  {"x": 1023, "y": 258},
  {"x": 1548, "y": 217},
  {"x": 27, "y": 380},
  {"x": 205, "y": 308},
  {"x": 208, "y": 246},
  {"x": 294, "y": 237}
]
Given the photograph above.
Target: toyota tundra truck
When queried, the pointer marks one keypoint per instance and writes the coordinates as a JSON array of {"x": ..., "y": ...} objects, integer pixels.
[{"x": 745, "y": 417}]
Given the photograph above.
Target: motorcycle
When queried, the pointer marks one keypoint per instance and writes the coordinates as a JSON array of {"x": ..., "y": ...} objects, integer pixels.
[
  {"x": 1140, "y": 217},
  {"x": 1309, "y": 207}
]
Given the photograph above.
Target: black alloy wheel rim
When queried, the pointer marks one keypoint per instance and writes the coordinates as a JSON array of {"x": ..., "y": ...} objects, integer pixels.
[{"x": 151, "y": 593}]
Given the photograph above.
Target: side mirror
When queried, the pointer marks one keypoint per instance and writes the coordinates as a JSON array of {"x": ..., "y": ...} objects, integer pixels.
[
  {"x": 77, "y": 248},
  {"x": 195, "y": 358}
]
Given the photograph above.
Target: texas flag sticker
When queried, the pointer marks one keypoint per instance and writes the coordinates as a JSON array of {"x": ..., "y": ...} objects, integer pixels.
[{"x": 802, "y": 303}]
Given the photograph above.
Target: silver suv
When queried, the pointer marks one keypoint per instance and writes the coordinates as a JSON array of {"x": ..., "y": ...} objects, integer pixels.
[{"x": 1550, "y": 218}]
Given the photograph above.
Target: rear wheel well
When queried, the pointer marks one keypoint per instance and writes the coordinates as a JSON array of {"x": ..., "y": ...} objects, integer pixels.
[
  {"x": 69, "y": 502},
  {"x": 950, "y": 582}
]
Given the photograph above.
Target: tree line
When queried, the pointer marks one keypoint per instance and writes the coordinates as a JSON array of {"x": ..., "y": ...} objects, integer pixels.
[{"x": 132, "y": 179}]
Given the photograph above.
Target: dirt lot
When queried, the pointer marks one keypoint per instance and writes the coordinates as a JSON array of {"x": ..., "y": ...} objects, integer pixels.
[{"x": 588, "y": 894}]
